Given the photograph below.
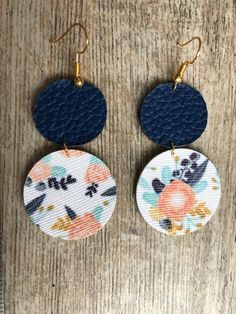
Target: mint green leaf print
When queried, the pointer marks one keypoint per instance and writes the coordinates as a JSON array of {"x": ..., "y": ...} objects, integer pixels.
[
  {"x": 58, "y": 171},
  {"x": 38, "y": 217},
  {"x": 150, "y": 198},
  {"x": 189, "y": 223},
  {"x": 47, "y": 159},
  {"x": 143, "y": 183},
  {"x": 166, "y": 175},
  {"x": 97, "y": 212},
  {"x": 95, "y": 160},
  {"x": 200, "y": 186}
]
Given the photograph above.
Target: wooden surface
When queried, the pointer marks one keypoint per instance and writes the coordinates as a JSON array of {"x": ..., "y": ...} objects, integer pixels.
[{"x": 128, "y": 267}]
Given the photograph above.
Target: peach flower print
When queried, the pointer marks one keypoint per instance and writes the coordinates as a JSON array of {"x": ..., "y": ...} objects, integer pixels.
[
  {"x": 96, "y": 173},
  {"x": 72, "y": 153},
  {"x": 84, "y": 226},
  {"x": 176, "y": 199},
  {"x": 40, "y": 171}
]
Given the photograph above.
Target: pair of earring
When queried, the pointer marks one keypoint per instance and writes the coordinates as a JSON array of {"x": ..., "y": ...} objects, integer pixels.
[{"x": 71, "y": 194}]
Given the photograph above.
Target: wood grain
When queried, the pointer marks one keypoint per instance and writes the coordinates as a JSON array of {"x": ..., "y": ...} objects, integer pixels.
[{"x": 128, "y": 267}]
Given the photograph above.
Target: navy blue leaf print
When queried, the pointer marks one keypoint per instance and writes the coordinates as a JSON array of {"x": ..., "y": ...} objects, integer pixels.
[
  {"x": 70, "y": 212},
  {"x": 157, "y": 185},
  {"x": 41, "y": 186},
  {"x": 110, "y": 192},
  {"x": 28, "y": 181},
  {"x": 197, "y": 174},
  {"x": 35, "y": 204},
  {"x": 165, "y": 224}
]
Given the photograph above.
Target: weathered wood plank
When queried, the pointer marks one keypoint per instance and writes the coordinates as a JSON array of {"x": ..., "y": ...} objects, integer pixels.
[{"x": 128, "y": 267}]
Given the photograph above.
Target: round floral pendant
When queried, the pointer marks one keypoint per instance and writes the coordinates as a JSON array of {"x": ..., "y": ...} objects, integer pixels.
[
  {"x": 70, "y": 194},
  {"x": 178, "y": 192}
]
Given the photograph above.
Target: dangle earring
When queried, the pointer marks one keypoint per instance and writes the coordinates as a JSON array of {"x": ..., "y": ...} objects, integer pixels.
[
  {"x": 179, "y": 190},
  {"x": 70, "y": 194}
]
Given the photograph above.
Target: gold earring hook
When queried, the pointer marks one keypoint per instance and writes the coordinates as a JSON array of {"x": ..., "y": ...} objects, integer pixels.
[
  {"x": 77, "y": 80},
  {"x": 66, "y": 150},
  {"x": 173, "y": 150},
  {"x": 199, "y": 47},
  {"x": 179, "y": 76},
  {"x": 79, "y": 52}
]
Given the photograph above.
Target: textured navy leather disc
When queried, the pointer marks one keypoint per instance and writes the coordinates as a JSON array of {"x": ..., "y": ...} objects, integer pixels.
[
  {"x": 66, "y": 113},
  {"x": 173, "y": 117}
]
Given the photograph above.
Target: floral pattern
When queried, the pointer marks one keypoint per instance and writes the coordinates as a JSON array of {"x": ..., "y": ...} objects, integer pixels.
[
  {"x": 41, "y": 172},
  {"x": 70, "y": 194},
  {"x": 176, "y": 199},
  {"x": 178, "y": 192},
  {"x": 96, "y": 173}
]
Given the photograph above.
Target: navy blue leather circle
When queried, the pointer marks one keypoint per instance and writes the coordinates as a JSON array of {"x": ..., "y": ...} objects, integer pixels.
[
  {"x": 171, "y": 117},
  {"x": 66, "y": 113}
]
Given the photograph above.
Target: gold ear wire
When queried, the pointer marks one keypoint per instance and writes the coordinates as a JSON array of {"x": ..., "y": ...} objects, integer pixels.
[
  {"x": 79, "y": 52},
  {"x": 179, "y": 76},
  {"x": 66, "y": 150},
  {"x": 78, "y": 80},
  {"x": 199, "y": 47}
]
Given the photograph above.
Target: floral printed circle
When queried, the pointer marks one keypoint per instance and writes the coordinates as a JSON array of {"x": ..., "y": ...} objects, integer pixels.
[
  {"x": 178, "y": 193},
  {"x": 70, "y": 194},
  {"x": 176, "y": 199}
]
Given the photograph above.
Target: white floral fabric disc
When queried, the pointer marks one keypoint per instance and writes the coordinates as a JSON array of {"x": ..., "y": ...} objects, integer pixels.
[
  {"x": 177, "y": 193},
  {"x": 70, "y": 194}
]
